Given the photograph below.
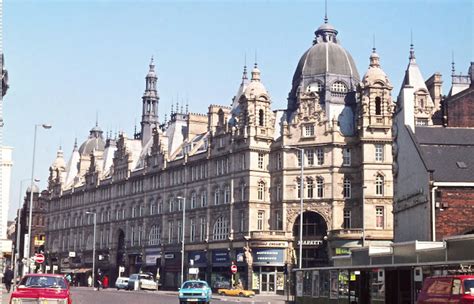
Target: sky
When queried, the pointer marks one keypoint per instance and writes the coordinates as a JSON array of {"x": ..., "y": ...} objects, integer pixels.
[{"x": 72, "y": 63}]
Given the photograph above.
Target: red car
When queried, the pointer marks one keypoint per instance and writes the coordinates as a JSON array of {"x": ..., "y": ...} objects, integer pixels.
[
  {"x": 448, "y": 289},
  {"x": 42, "y": 288}
]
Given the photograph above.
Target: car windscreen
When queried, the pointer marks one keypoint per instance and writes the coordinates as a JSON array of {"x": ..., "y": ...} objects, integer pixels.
[
  {"x": 193, "y": 285},
  {"x": 43, "y": 282},
  {"x": 146, "y": 277},
  {"x": 468, "y": 284}
]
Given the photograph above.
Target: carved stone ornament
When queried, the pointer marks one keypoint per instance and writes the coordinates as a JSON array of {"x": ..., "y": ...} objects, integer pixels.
[{"x": 309, "y": 109}]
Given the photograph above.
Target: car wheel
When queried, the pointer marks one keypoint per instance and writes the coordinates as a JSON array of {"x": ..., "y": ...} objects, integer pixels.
[
  {"x": 221, "y": 293},
  {"x": 241, "y": 294}
]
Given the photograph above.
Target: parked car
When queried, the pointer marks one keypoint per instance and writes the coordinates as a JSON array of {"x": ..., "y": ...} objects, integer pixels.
[
  {"x": 447, "y": 289},
  {"x": 121, "y": 283},
  {"x": 195, "y": 291},
  {"x": 236, "y": 292},
  {"x": 144, "y": 281},
  {"x": 42, "y": 288}
]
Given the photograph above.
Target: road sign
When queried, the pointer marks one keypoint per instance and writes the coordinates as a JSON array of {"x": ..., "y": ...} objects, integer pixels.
[
  {"x": 233, "y": 268},
  {"x": 39, "y": 258}
]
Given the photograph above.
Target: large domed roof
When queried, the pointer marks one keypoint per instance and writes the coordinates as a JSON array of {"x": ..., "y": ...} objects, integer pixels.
[
  {"x": 94, "y": 142},
  {"x": 325, "y": 57}
]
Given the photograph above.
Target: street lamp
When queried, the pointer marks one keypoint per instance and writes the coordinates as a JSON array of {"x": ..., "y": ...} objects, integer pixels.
[
  {"x": 93, "y": 246},
  {"x": 44, "y": 126},
  {"x": 16, "y": 273},
  {"x": 182, "y": 237},
  {"x": 363, "y": 214},
  {"x": 301, "y": 202}
]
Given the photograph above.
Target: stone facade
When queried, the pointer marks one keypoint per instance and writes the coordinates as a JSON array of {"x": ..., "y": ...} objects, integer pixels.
[{"x": 231, "y": 178}]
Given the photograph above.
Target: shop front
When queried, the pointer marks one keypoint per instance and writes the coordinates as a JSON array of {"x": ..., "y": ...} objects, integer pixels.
[
  {"x": 197, "y": 259},
  {"x": 220, "y": 272},
  {"x": 153, "y": 262},
  {"x": 171, "y": 275},
  {"x": 268, "y": 270}
]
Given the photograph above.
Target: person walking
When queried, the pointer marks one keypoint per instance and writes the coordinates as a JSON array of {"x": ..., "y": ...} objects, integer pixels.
[
  {"x": 7, "y": 278},
  {"x": 89, "y": 281}
]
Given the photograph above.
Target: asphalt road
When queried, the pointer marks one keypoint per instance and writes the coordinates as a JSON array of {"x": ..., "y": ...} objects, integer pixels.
[{"x": 112, "y": 296}]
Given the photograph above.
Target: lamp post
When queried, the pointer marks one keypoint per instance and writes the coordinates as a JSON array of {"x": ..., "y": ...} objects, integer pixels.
[
  {"x": 44, "y": 126},
  {"x": 301, "y": 202},
  {"x": 93, "y": 246},
  {"x": 182, "y": 237},
  {"x": 16, "y": 273},
  {"x": 363, "y": 214}
]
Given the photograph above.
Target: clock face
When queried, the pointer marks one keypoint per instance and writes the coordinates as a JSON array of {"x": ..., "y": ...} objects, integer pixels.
[{"x": 315, "y": 87}]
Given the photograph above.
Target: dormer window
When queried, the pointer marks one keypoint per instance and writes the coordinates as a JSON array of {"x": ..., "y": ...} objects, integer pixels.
[{"x": 339, "y": 87}]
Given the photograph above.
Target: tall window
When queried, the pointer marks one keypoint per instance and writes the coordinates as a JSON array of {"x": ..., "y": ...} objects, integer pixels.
[
  {"x": 310, "y": 188},
  {"x": 299, "y": 187},
  {"x": 379, "y": 181},
  {"x": 227, "y": 194},
  {"x": 192, "y": 230},
  {"x": 310, "y": 157},
  {"x": 216, "y": 196},
  {"x": 202, "y": 229},
  {"x": 260, "y": 216},
  {"x": 203, "y": 199},
  {"x": 320, "y": 187},
  {"x": 347, "y": 219},
  {"x": 261, "y": 118},
  {"x": 278, "y": 220},
  {"x": 320, "y": 156},
  {"x": 170, "y": 232},
  {"x": 347, "y": 188},
  {"x": 379, "y": 152},
  {"x": 242, "y": 161},
  {"x": 378, "y": 106},
  {"x": 298, "y": 155},
  {"x": 261, "y": 190},
  {"x": 154, "y": 237},
  {"x": 152, "y": 207},
  {"x": 260, "y": 160},
  {"x": 279, "y": 161},
  {"x": 221, "y": 229},
  {"x": 346, "y": 157},
  {"x": 309, "y": 130},
  {"x": 379, "y": 217},
  {"x": 242, "y": 192},
  {"x": 193, "y": 200},
  {"x": 180, "y": 230},
  {"x": 278, "y": 192}
]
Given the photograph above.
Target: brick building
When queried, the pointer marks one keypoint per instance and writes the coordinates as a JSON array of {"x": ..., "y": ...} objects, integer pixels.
[{"x": 433, "y": 160}]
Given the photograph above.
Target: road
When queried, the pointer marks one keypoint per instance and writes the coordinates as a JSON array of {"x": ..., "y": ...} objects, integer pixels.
[{"x": 112, "y": 296}]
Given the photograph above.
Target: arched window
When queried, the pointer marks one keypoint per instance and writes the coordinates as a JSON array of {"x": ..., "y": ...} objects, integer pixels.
[
  {"x": 347, "y": 188},
  {"x": 339, "y": 87},
  {"x": 221, "y": 229},
  {"x": 154, "y": 236},
  {"x": 378, "y": 106},
  {"x": 261, "y": 118},
  {"x": 261, "y": 190},
  {"x": 227, "y": 194},
  {"x": 379, "y": 185},
  {"x": 193, "y": 200},
  {"x": 320, "y": 187}
]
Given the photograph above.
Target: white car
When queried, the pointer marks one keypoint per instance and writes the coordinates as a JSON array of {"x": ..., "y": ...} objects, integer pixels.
[{"x": 143, "y": 281}]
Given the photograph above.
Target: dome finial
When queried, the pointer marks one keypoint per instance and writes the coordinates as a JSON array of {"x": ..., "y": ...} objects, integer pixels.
[
  {"x": 152, "y": 64},
  {"x": 373, "y": 48},
  {"x": 255, "y": 72},
  {"x": 326, "y": 11},
  {"x": 453, "y": 69},
  {"x": 75, "y": 143}
]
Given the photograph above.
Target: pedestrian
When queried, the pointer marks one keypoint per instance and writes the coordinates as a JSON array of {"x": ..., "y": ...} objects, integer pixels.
[
  {"x": 105, "y": 282},
  {"x": 7, "y": 278},
  {"x": 89, "y": 281}
]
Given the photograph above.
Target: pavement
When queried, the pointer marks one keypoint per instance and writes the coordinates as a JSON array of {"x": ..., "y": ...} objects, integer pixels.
[{"x": 4, "y": 296}]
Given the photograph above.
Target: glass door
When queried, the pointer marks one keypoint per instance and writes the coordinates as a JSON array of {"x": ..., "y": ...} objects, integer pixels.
[{"x": 268, "y": 282}]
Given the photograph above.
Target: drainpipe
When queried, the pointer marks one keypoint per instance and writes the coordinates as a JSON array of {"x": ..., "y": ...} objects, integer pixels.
[
  {"x": 433, "y": 214},
  {"x": 433, "y": 206}
]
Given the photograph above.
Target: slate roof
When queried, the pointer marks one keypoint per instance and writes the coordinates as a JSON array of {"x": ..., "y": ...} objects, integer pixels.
[{"x": 448, "y": 152}]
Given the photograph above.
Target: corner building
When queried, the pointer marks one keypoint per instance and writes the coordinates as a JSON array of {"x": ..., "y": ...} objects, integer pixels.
[{"x": 237, "y": 175}]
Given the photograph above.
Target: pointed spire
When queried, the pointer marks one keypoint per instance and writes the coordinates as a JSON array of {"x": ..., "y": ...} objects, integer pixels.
[
  {"x": 453, "y": 69},
  {"x": 172, "y": 108},
  {"x": 187, "y": 107},
  {"x": 412, "y": 51},
  {"x": 96, "y": 118},
  {"x": 75, "y": 144}
]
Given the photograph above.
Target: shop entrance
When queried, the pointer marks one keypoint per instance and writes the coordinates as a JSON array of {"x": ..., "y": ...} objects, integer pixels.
[{"x": 268, "y": 280}]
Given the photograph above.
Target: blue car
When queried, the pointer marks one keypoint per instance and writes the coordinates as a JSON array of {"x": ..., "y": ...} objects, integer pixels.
[{"x": 195, "y": 292}]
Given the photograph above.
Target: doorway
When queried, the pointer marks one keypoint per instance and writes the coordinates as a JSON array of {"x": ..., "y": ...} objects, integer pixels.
[{"x": 268, "y": 280}]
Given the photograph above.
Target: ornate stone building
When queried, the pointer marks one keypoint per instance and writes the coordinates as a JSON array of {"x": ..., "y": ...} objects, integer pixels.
[{"x": 235, "y": 175}]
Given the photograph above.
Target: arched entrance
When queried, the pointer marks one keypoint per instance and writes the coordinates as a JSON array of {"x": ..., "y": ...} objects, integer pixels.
[
  {"x": 314, "y": 239},
  {"x": 120, "y": 248}
]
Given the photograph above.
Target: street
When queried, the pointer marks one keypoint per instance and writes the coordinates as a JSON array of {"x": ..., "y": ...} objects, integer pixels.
[{"x": 83, "y": 295}]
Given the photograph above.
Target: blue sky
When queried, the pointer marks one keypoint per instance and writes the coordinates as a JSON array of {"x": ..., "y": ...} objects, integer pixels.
[{"x": 69, "y": 61}]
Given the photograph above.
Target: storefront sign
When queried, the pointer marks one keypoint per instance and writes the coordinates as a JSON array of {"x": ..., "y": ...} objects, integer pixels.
[
  {"x": 169, "y": 256},
  {"x": 220, "y": 257},
  {"x": 311, "y": 242},
  {"x": 270, "y": 257},
  {"x": 151, "y": 257},
  {"x": 199, "y": 257},
  {"x": 272, "y": 244},
  {"x": 343, "y": 251}
]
